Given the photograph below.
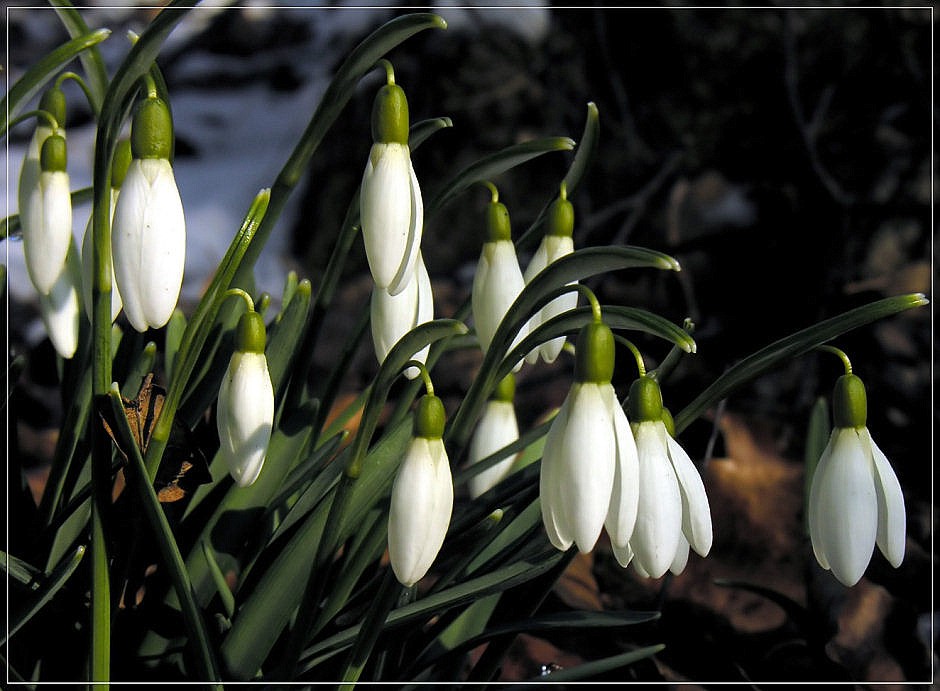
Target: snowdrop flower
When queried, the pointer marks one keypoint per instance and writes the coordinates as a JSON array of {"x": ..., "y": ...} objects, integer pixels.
[
  {"x": 148, "y": 236},
  {"x": 395, "y": 315},
  {"x": 47, "y": 228},
  {"x": 673, "y": 512},
  {"x": 119, "y": 165},
  {"x": 556, "y": 243},
  {"x": 422, "y": 496},
  {"x": 855, "y": 500},
  {"x": 498, "y": 279},
  {"x": 43, "y": 266},
  {"x": 497, "y": 428},
  {"x": 390, "y": 206},
  {"x": 589, "y": 466},
  {"x": 245, "y": 414},
  {"x": 60, "y": 310}
]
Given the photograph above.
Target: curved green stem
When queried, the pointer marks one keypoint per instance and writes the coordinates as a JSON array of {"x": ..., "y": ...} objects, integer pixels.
[
  {"x": 39, "y": 115},
  {"x": 238, "y": 292},
  {"x": 89, "y": 96},
  {"x": 425, "y": 375},
  {"x": 839, "y": 354},
  {"x": 494, "y": 193},
  {"x": 640, "y": 365},
  {"x": 389, "y": 70}
]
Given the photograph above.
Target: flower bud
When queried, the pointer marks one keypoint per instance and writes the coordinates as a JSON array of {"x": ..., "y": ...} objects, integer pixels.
[{"x": 47, "y": 218}]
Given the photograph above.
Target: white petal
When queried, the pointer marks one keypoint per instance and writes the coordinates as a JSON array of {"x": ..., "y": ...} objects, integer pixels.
[
  {"x": 892, "y": 520},
  {"x": 552, "y": 509},
  {"x": 127, "y": 242},
  {"x": 496, "y": 285},
  {"x": 623, "y": 554},
  {"x": 425, "y": 312},
  {"x": 415, "y": 229},
  {"x": 696, "y": 515},
  {"x": 556, "y": 248},
  {"x": 816, "y": 510},
  {"x": 87, "y": 266},
  {"x": 47, "y": 244},
  {"x": 385, "y": 205},
  {"x": 29, "y": 199},
  {"x": 624, "y": 499},
  {"x": 538, "y": 262},
  {"x": 659, "y": 511},
  {"x": 681, "y": 558},
  {"x": 848, "y": 521},
  {"x": 61, "y": 312},
  {"x": 163, "y": 247},
  {"x": 587, "y": 465},
  {"x": 497, "y": 428},
  {"x": 245, "y": 416},
  {"x": 392, "y": 317},
  {"x": 422, "y": 500}
]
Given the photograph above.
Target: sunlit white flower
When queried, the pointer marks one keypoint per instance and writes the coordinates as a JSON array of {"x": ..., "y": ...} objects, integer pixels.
[
  {"x": 556, "y": 243},
  {"x": 551, "y": 249},
  {"x": 673, "y": 512},
  {"x": 422, "y": 498},
  {"x": 395, "y": 315},
  {"x": 245, "y": 414},
  {"x": 855, "y": 501},
  {"x": 47, "y": 217},
  {"x": 148, "y": 243},
  {"x": 496, "y": 284},
  {"x": 588, "y": 478},
  {"x": 497, "y": 429},
  {"x": 60, "y": 310},
  {"x": 390, "y": 206}
]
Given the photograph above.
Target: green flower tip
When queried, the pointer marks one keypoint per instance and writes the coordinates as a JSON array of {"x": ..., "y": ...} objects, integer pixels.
[
  {"x": 53, "y": 102},
  {"x": 121, "y": 162},
  {"x": 497, "y": 222},
  {"x": 561, "y": 216},
  {"x": 594, "y": 354},
  {"x": 429, "y": 417},
  {"x": 645, "y": 402},
  {"x": 152, "y": 130},
  {"x": 250, "y": 335},
  {"x": 506, "y": 389},
  {"x": 390, "y": 116},
  {"x": 53, "y": 155},
  {"x": 849, "y": 402},
  {"x": 669, "y": 422}
]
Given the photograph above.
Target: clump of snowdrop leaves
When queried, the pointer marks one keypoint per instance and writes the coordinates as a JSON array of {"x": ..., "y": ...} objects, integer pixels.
[
  {"x": 148, "y": 235},
  {"x": 855, "y": 500},
  {"x": 588, "y": 478},
  {"x": 673, "y": 511},
  {"x": 556, "y": 243},
  {"x": 422, "y": 496},
  {"x": 390, "y": 205},
  {"x": 245, "y": 414},
  {"x": 497, "y": 429},
  {"x": 498, "y": 279}
]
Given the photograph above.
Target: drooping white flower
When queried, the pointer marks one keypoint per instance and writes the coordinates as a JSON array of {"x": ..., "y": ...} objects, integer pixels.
[
  {"x": 390, "y": 205},
  {"x": 498, "y": 279},
  {"x": 245, "y": 412},
  {"x": 555, "y": 244},
  {"x": 119, "y": 165},
  {"x": 47, "y": 217},
  {"x": 673, "y": 512},
  {"x": 60, "y": 309},
  {"x": 855, "y": 500},
  {"x": 148, "y": 235},
  {"x": 422, "y": 497},
  {"x": 497, "y": 429},
  {"x": 588, "y": 478},
  {"x": 395, "y": 315}
]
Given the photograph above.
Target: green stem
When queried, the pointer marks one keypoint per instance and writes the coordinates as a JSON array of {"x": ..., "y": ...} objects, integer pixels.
[
  {"x": 494, "y": 193},
  {"x": 89, "y": 96},
  {"x": 839, "y": 354},
  {"x": 640, "y": 365},
  {"x": 39, "y": 115},
  {"x": 238, "y": 292},
  {"x": 425, "y": 375},
  {"x": 389, "y": 70}
]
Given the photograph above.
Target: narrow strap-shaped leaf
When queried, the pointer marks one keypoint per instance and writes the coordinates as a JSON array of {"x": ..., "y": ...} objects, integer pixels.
[
  {"x": 96, "y": 76},
  {"x": 790, "y": 347},
  {"x": 139, "y": 480},
  {"x": 490, "y": 166},
  {"x": 221, "y": 586},
  {"x": 173, "y": 337},
  {"x": 574, "y": 267},
  {"x": 370, "y": 629},
  {"x": 424, "y": 129},
  {"x": 47, "y": 589},
  {"x": 41, "y": 72},
  {"x": 468, "y": 591},
  {"x": 593, "y": 669},
  {"x": 583, "y": 158},
  {"x": 18, "y": 569}
]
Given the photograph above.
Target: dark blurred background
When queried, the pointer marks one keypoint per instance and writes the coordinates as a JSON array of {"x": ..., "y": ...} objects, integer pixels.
[{"x": 784, "y": 157}]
